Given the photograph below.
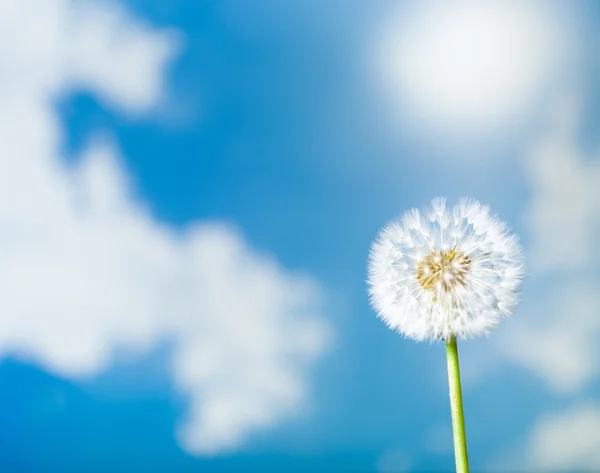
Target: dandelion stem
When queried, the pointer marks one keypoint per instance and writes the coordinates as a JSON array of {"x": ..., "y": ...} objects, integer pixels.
[{"x": 456, "y": 406}]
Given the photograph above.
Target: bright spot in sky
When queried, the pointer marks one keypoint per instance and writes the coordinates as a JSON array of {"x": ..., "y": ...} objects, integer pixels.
[{"x": 471, "y": 64}]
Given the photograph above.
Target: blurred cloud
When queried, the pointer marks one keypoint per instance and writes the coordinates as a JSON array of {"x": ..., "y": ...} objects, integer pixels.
[
  {"x": 564, "y": 213},
  {"x": 68, "y": 44},
  {"x": 566, "y": 441},
  {"x": 557, "y": 340},
  {"x": 84, "y": 269},
  {"x": 468, "y": 65}
]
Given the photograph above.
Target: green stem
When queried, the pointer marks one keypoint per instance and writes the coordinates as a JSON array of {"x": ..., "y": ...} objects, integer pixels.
[{"x": 456, "y": 405}]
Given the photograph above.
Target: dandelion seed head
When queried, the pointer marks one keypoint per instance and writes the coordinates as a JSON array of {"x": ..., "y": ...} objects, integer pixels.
[{"x": 447, "y": 272}]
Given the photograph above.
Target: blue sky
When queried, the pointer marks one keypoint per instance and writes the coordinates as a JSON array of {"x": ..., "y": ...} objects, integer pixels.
[{"x": 190, "y": 190}]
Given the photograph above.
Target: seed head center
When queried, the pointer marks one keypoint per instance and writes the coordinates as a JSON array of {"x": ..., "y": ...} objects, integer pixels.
[{"x": 443, "y": 270}]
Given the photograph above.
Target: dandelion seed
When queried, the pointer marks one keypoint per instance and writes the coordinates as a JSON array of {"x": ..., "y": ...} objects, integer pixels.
[{"x": 448, "y": 273}]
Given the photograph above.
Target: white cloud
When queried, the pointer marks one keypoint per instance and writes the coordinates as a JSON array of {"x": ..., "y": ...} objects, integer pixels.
[
  {"x": 51, "y": 45},
  {"x": 559, "y": 441},
  {"x": 564, "y": 213},
  {"x": 467, "y": 64},
  {"x": 567, "y": 441},
  {"x": 557, "y": 339},
  {"x": 85, "y": 269},
  {"x": 555, "y": 336}
]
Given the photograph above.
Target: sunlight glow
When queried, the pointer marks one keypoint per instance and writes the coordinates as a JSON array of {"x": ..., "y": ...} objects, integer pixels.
[{"x": 471, "y": 64}]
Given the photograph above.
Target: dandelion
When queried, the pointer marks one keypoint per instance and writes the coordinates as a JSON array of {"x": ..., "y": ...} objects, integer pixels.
[{"x": 443, "y": 275}]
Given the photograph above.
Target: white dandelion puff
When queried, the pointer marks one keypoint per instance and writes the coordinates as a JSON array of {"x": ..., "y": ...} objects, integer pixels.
[{"x": 447, "y": 273}]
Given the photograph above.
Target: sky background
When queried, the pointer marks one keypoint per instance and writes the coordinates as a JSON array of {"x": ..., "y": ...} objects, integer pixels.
[{"x": 188, "y": 193}]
